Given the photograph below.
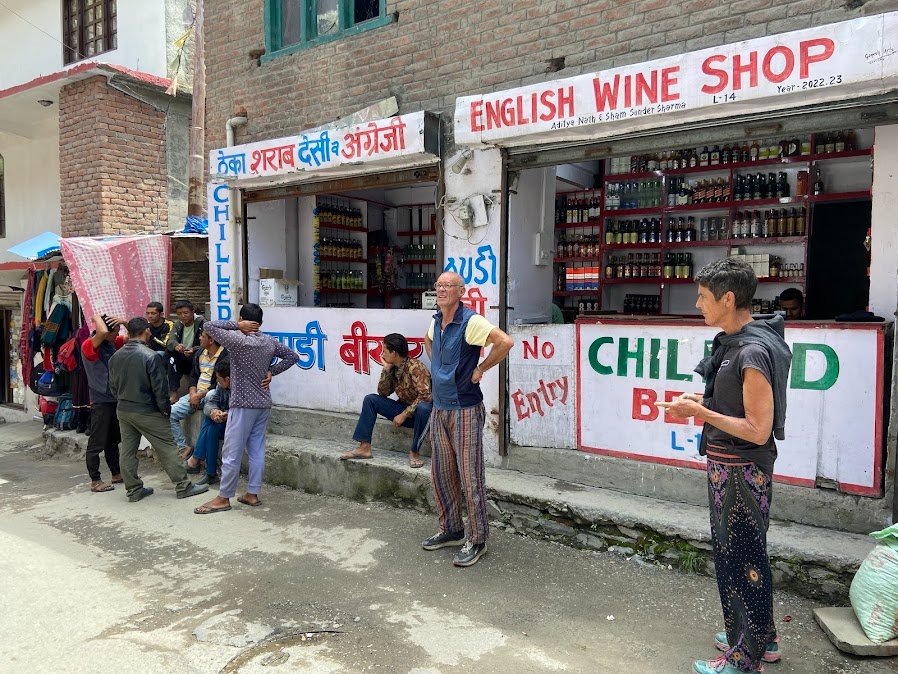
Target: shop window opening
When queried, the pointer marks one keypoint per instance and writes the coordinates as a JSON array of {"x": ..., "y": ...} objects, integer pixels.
[
  {"x": 628, "y": 233},
  {"x": 294, "y": 24},
  {"x": 354, "y": 249}
]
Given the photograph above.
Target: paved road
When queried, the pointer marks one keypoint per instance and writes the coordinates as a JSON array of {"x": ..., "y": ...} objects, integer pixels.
[{"x": 92, "y": 583}]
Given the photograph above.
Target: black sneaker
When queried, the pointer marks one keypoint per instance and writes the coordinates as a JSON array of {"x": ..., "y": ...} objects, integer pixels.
[
  {"x": 142, "y": 494},
  {"x": 193, "y": 490},
  {"x": 209, "y": 479},
  {"x": 444, "y": 539},
  {"x": 469, "y": 554}
]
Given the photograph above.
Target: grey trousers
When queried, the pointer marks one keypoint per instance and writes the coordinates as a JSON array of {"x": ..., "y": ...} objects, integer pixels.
[{"x": 155, "y": 428}]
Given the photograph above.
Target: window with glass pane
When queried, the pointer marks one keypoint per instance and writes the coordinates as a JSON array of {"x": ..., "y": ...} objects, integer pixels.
[
  {"x": 296, "y": 22},
  {"x": 89, "y": 28}
]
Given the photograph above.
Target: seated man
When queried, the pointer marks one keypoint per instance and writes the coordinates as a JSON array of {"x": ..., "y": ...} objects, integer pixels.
[
  {"x": 409, "y": 378},
  {"x": 215, "y": 409},
  {"x": 160, "y": 328},
  {"x": 183, "y": 342},
  {"x": 792, "y": 302},
  {"x": 202, "y": 380}
]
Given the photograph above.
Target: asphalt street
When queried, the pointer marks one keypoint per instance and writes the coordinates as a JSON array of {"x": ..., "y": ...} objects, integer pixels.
[{"x": 306, "y": 583}]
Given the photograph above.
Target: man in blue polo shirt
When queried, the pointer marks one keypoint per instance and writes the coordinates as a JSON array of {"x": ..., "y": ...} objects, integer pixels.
[{"x": 454, "y": 341}]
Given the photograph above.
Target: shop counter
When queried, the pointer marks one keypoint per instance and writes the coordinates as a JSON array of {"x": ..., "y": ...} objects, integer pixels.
[{"x": 593, "y": 386}]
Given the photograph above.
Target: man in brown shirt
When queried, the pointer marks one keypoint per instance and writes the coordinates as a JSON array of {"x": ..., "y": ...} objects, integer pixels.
[{"x": 409, "y": 379}]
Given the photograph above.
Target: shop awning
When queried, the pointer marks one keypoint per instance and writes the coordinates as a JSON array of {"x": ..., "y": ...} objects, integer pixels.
[
  {"x": 38, "y": 247},
  {"x": 392, "y": 144}
]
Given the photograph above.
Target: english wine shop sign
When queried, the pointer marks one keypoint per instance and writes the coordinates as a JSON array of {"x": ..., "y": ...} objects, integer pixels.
[
  {"x": 834, "y": 420},
  {"x": 803, "y": 66}
]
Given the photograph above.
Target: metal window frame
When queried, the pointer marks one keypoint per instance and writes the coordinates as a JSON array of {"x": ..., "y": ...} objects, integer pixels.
[{"x": 307, "y": 36}]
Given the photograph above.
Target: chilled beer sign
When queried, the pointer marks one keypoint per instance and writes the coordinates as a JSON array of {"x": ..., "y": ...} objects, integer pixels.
[
  {"x": 801, "y": 65},
  {"x": 834, "y": 422}
]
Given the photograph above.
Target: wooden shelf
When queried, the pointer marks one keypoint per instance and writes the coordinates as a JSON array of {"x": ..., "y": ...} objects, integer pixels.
[
  {"x": 795, "y": 280},
  {"x": 711, "y": 206},
  {"x": 421, "y": 262},
  {"x": 633, "y": 246},
  {"x": 654, "y": 210},
  {"x": 333, "y": 258},
  {"x": 575, "y": 293},
  {"x": 573, "y": 225},
  {"x": 715, "y": 243},
  {"x": 770, "y": 240},
  {"x": 592, "y": 258},
  {"x": 617, "y": 177}
]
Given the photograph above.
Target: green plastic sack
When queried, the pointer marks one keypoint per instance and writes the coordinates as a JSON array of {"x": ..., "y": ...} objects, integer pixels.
[{"x": 874, "y": 589}]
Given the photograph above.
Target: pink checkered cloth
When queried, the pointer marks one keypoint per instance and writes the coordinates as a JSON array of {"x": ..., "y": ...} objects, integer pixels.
[{"x": 119, "y": 275}]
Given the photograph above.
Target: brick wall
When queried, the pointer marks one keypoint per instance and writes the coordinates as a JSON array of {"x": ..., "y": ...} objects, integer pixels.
[
  {"x": 112, "y": 164},
  {"x": 441, "y": 49}
]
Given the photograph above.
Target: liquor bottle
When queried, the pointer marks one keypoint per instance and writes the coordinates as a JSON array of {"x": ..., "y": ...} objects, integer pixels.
[
  {"x": 840, "y": 142},
  {"x": 689, "y": 234},
  {"x": 667, "y": 270},
  {"x": 705, "y": 157},
  {"x": 782, "y": 185},
  {"x": 769, "y": 224},
  {"x": 770, "y": 192},
  {"x": 755, "y": 230},
  {"x": 792, "y": 223},
  {"x": 819, "y": 143},
  {"x": 628, "y": 267},
  {"x": 830, "y": 143},
  {"x": 763, "y": 150},
  {"x": 715, "y": 155},
  {"x": 609, "y": 268},
  {"x": 562, "y": 245},
  {"x": 726, "y": 155},
  {"x": 609, "y": 232},
  {"x": 774, "y": 150},
  {"x": 693, "y": 158},
  {"x": 678, "y": 232},
  {"x": 801, "y": 223},
  {"x": 760, "y": 186},
  {"x": 744, "y": 152},
  {"x": 652, "y": 233},
  {"x": 818, "y": 182}
]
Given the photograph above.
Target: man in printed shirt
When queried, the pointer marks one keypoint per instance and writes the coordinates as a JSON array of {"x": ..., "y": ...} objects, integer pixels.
[
  {"x": 409, "y": 379},
  {"x": 201, "y": 381},
  {"x": 454, "y": 341},
  {"x": 183, "y": 344},
  {"x": 250, "y": 352},
  {"x": 160, "y": 328}
]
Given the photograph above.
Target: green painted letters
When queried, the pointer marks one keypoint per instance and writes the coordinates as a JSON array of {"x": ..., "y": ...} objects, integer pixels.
[
  {"x": 799, "y": 367},
  {"x": 594, "y": 355}
]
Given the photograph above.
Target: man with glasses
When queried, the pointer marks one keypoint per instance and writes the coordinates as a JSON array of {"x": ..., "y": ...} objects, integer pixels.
[{"x": 454, "y": 342}]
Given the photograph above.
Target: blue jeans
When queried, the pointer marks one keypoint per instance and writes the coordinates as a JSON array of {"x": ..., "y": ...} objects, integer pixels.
[
  {"x": 388, "y": 407},
  {"x": 180, "y": 411},
  {"x": 206, "y": 448}
]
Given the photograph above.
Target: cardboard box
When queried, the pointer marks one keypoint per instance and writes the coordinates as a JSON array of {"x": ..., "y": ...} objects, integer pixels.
[
  {"x": 265, "y": 272},
  {"x": 429, "y": 299},
  {"x": 278, "y": 292}
]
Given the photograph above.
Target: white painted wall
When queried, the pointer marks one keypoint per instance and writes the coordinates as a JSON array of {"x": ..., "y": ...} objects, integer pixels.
[
  {"x": 31, "y": 182},
  {"x": 267, "y": 240},
  {"x": 31, "y": 43},
  {"x": 884, "y": 259},
  {"x": 531, "y": 229}
]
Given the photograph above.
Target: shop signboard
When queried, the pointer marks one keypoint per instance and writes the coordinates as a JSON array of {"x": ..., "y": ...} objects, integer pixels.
[
  {"x": 316, "y": 150},
  {"x": 541, "y": 386},
  {"x": 835, "y": 398},
  {"x": 791, "y": 69}
]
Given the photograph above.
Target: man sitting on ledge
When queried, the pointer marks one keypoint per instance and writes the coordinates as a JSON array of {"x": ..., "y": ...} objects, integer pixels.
[{"x": 409, "y": 379}]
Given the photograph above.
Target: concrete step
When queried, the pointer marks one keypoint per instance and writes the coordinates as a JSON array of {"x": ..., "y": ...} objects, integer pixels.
[{"x": 815, "y": 562}]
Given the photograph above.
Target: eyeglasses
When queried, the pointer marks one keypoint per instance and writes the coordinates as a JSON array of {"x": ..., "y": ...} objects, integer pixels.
[{"x": 441, "y": 286}]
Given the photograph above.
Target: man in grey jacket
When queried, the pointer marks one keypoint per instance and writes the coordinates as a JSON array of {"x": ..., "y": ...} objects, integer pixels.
[{"x": 138, "y": 379}]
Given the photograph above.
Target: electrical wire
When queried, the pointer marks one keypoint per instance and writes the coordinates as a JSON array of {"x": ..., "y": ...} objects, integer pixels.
[{"x": 52, "y": 37}]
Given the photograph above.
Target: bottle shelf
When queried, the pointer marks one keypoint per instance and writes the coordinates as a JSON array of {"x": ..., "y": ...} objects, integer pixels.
[
  {"x": 782, "y": 279},
  {"x": 841, "y": 196},
  {"x": 710, "y": 206},
  {"x": 617, "y": 177},
  {"x": 334, "y": 258},
  {"x": 423, "y": 232},
  {"x": 654, "y": 210},
  {"x": 343, "y": 291},
  {"x": 575, "y": 225},
  {"x": 342, "y": 228},
  {"x": 576, "y": 293},
  {"x": 633, "y": 246},
  {"x": 639, "y": 280},
  {"x": 421, "y": 262},
  {"x": 769, "y": 240},
  {"x": 591, "y": 258},
  {"x": 715, "y": 243},
  {"x": 773, "y": 201}
]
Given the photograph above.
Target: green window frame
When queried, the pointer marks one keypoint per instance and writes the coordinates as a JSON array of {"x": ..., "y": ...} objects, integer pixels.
[{"x": 292, "y": 25}]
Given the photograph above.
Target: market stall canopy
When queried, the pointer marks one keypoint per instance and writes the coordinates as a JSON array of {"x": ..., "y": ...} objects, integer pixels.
[{"x": 37, "y": 248}]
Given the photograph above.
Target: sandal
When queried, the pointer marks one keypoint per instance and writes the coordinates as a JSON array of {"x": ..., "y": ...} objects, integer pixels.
[
  {"x": 185, "y": 453},
  {"x": 415, "y": 463},
  {"x": 99, "y": 486},
  {"x": 244, "y": 501},
  {"x": 206, "y": 509},
  {"x": 352, "y": 455},
  {"x": 117, "y": 479}
]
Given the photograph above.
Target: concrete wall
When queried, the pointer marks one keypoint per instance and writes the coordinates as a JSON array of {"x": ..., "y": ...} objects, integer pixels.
[
  {"x": 36, "y": 38},
  {"x": 884, "y": 254},
  {"x": 31, "y": 181},
  {"x": 531, "y": 227}
]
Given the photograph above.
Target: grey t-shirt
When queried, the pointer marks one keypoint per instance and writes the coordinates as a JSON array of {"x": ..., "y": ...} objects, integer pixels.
[{"x": 727, "y": 400}]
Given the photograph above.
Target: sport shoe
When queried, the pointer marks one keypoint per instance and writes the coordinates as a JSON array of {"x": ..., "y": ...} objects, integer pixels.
[
  {"x": 444, "y": 539},
  {"x": 142, "y": 494},
  {"x": 193, "y": 490},
  {"x": 469, "y": 554},
  {"x": 772, "y": 654},
  {"x": 716, "y": 666}
]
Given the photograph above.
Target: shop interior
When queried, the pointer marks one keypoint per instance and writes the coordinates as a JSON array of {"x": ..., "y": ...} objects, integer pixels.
[
  {"x": 367, "y": 248},
  {"x": 630, "y": 232}
]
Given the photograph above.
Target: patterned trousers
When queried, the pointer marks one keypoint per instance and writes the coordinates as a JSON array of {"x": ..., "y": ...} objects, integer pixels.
[
  {"x": 456, "y": 438},
  {"x": 739, "y": 496}
]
